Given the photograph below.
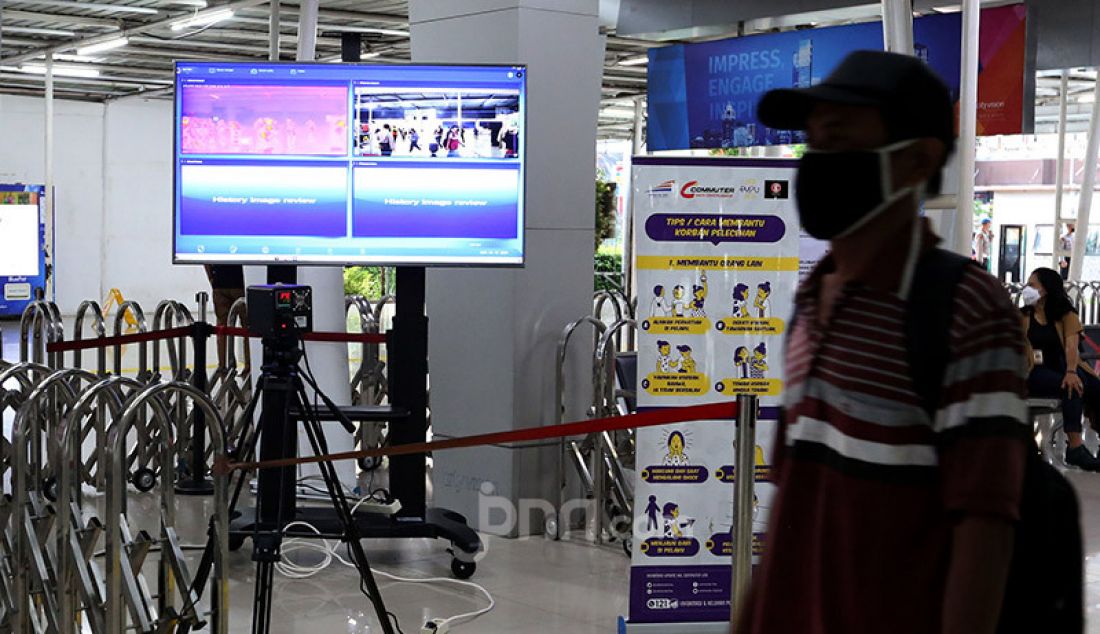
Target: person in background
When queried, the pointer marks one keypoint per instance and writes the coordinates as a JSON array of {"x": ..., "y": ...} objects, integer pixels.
[
  {"x": 1056, "y": 370},
  {"x": 891, "y": 514},
  {"x": 453, "y": 141},
  {"x": 983, "y": 244},
  {"x": 227, "y": 284},
  {"x": 385, "y": 140},
  {"x": 1067, "y": 247}
]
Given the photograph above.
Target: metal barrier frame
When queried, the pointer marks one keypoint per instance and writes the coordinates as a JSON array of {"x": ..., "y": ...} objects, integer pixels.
[{"x": 116, "y": 501}]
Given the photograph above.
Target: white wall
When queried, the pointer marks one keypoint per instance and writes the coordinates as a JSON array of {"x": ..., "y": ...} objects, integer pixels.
[
  {"x": 1031, "y": 208},
  {"x": 78, "y": 180},
  {"x": 137, "y": 206},
  {"x": 113, "y": 177}
]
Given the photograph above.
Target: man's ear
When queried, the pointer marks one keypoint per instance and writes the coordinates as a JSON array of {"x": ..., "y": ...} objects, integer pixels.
[{"x": 919, "y": 162}]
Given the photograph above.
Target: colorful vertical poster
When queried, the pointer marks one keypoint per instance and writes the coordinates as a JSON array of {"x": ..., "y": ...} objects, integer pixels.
[
  {"x": 717, "y": 258},
  {"x": 22, "y": 250},
  {"x": 704, "y": 95}
]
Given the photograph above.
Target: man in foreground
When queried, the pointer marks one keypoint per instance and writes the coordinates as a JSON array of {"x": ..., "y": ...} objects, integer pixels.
[{"x": 892, "y": 515}]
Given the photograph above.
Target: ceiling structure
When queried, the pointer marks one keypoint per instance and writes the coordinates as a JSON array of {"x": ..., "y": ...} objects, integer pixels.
[{"x": 156, "y": 32}]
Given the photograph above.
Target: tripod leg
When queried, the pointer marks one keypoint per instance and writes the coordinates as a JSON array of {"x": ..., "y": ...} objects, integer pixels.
[
  {"x": 206, "y": 563},
  {"x": 261, "y": 602},
  {"x": 343, "y": 510}
]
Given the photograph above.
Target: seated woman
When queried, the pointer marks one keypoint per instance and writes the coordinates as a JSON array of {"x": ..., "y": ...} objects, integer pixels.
[{"x": 1057, "y": 372}]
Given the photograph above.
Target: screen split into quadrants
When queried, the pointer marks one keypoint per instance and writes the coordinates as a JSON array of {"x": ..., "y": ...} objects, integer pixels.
[{"x": 349, "y": 163}]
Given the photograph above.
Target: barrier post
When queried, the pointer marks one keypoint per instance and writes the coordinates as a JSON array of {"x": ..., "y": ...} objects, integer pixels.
[
  {"x": 744, "y": 480},
  {"x": 197, "y": 482}
]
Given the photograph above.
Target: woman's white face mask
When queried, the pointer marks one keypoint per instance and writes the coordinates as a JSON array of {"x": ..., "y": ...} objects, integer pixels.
[{"x": 1030, "y": 295}]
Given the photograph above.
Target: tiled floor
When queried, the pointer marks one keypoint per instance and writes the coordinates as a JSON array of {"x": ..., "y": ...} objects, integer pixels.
[{"x": 540, "y": 586}]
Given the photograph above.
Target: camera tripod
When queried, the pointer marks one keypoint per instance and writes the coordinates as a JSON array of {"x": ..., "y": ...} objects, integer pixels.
[{"x": 282, "y": 391}]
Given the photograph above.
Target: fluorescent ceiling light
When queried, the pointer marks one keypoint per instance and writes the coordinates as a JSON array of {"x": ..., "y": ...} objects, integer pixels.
[
  {"x": 1087, "y": 98},
  {"x": 392, "y": 32},
  {"x": 617, "y": 113},
  {"x": 370, "y": 55},
  {"x": 29, "y": 30},
  {"x": 189, "y": 3},
  {"x": 634, "y": 61},
  {"x": 69, "y": 57},
  {"x": 203, "y": 19},
  {"x": 109, "y": 45},
  {"x": 60, "y": 71}
]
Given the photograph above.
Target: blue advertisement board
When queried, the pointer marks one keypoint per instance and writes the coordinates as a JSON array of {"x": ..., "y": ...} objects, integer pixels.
[
  {"x": 705, "y": 95},
  {"x": 22, "y": 246}
]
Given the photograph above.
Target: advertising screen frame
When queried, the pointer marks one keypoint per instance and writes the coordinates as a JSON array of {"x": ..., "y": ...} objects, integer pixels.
[{"x": 368, "y": 259}]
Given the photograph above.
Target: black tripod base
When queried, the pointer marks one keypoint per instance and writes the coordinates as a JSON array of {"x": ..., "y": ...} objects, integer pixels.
[
  {"x": 436, "y": 524},
  {"x": 195, "y": 487}
]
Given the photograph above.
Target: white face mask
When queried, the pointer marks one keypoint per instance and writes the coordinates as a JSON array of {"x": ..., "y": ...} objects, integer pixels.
[{"x": 1030, "y": 295}]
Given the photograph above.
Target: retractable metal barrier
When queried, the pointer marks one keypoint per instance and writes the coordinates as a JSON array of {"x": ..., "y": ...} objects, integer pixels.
[
  {"x": 600, "y": 459},
  {"x": 569, "y": 450},
  {"x": 64, "y": 570},
  {"x": 231, "y": 386},
  {"x": 622, "y": 308},
  {"x": 369, "y": 385},
  {"x": 612, "y": 491},
  {"x": 99, "y": 329},
  {"x": 79, "y": 575},
  {"x": 31, "y": 518},
  {"x": 168, "y": 315},
  {"x": 137, "y": 314},
  {"x": 128, "y": 602},
  {"x": 41, "y": 325}
]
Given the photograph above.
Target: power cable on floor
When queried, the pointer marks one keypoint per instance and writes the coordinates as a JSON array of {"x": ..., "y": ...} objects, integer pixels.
[{"x": 330, "y": 552}]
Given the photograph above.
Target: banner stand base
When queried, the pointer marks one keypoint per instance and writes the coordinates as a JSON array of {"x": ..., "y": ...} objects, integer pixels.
[{"x": 673, "y": 628}]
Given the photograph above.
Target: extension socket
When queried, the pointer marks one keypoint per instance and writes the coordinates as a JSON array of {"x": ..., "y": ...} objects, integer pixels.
[
  {"x": 310, "y": 495},
  {"x": 435, "y": 626}
]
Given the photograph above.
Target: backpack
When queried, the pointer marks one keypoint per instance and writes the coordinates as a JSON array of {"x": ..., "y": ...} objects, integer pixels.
[
  {"x": 1045, "y": 582},
  {"x": 1045, "y": 586}
]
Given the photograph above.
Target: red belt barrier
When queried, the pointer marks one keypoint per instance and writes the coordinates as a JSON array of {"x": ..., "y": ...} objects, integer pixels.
[
  {"x": 186, "y": 331},
  {"x": 103, "y": 342},
  {"x": 337, "y": 337},
  {"x": 651, "y": 418}
]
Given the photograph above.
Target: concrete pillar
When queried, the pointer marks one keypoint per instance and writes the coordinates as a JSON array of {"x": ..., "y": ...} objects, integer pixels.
[{"x": 493, "y": 333}]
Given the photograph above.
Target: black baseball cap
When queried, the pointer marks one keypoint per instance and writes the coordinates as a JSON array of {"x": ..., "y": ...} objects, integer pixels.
[{"x": 913, "y": 100}]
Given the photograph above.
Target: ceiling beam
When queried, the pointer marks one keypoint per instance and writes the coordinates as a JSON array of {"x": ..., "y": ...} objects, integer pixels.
[
  {"x": 362, "y": 16},
  {"x": 93, "y": 81},
  {"x": 61, "y": 18},
  {"x": 144, "y": 51},
  {"x": 88, "y": 6},
  {"x": 227, "y": 49},
  {"x": 129, "y": 31}
]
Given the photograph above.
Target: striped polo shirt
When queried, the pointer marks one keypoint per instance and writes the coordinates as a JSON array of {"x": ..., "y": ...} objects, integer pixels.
[{"x": 869, "y": 483}]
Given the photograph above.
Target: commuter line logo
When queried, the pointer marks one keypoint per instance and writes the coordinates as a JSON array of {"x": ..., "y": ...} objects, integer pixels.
[
  {"x": 692, "y": 189},
  {"x": 662, "y": 189}
]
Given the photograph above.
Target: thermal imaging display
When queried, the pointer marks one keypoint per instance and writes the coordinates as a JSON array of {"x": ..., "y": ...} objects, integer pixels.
[{"x": 349, "y": 163}]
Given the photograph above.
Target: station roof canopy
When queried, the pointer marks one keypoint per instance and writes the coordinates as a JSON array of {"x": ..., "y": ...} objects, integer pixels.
[{"x": 1069, "y": 36}]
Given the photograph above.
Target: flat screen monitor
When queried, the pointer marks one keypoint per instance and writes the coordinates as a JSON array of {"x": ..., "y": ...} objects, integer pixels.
[{"x": 349, "y": 164}]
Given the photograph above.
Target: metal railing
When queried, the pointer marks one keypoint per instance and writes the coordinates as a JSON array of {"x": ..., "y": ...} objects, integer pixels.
[{"x": 64, "y": 570}]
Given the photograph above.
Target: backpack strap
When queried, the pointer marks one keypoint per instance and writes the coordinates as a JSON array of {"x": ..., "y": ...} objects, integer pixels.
[{"x": 928, "y": 322}]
